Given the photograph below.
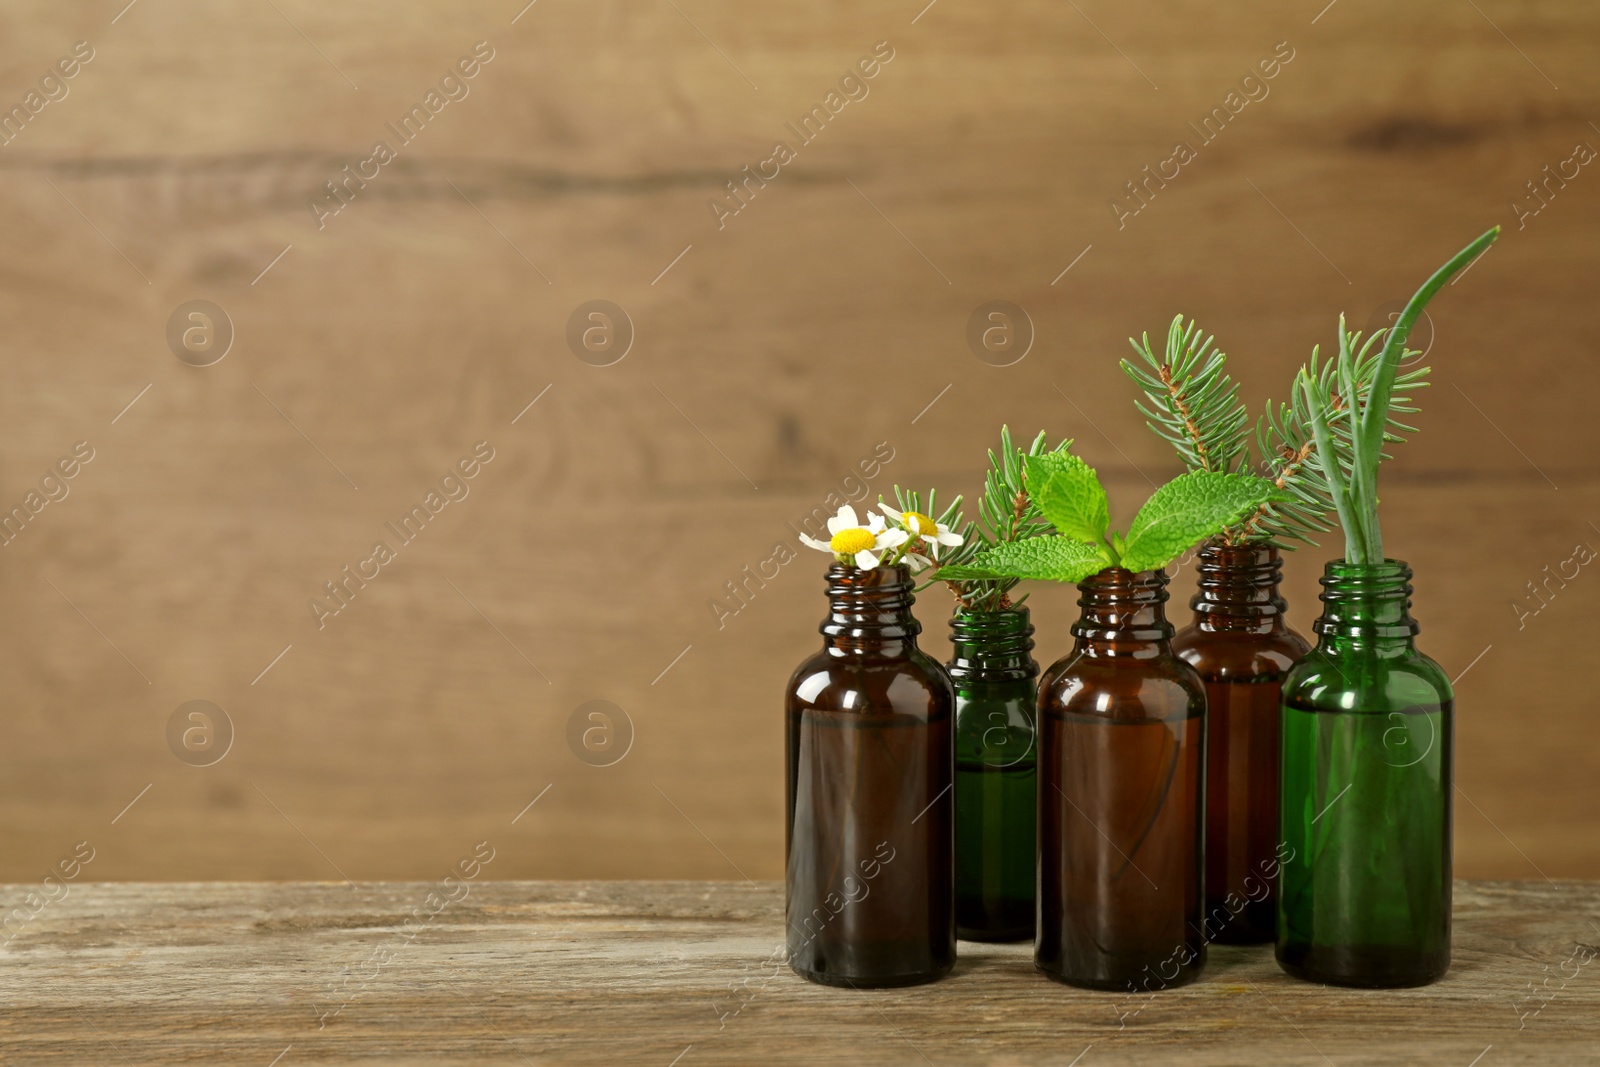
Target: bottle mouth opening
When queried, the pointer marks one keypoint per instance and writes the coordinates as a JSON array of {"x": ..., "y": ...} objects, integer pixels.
[
  {"x": 844, "y": 581},
  {"x": 868, "y": 606},
  {"x": 1243, "y": 552},
  {"x": 991, "y": 645},
  {"x": 1344, "y": 581},
  {"x": 1388, "y": 569},
  {"x": 968, "y": 624},
  {"x": 1251, "y": 560},
  {"x": 1120, "y": 605},
  {"x": 1009, "y": 611},
  {"x": 1366, "y": 601},
  {"x": 1119, "y": 590},
  {"x": 1117, "y": 579}
]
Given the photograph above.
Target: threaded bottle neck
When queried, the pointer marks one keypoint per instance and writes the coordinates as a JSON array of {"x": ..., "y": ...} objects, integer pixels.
[
  {"x": 1366, "y": 604},
  {"x": 1123, "y": 614},
  {"x": 1238, "y": 589},
  {"x": 992, "y": 646},
  {"x": 869, "y": 610}
]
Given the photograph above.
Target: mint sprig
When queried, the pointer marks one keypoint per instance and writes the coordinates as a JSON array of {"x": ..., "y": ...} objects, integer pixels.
[
  {"x": 1069, "y": 494},
  {"x": 1182, "y": 513},
  {"x": 1186, "y": 511},
  {"x": 1054, "y": 559}
]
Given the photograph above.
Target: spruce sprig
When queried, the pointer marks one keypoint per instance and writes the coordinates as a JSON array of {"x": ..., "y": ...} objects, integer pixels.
[
  {"x": 1351, "y": 402},
  {"x": 1193, "y": 403},
  {"x": 1006, "y": 513}
]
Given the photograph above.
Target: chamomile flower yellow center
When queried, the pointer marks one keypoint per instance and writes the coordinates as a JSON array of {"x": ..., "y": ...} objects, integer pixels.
[
  {"x": 849, "y": 542},
  {"x": 920, "y": 524}
]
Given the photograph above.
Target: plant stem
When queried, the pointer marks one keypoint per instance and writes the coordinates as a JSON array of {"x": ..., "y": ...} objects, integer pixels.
[
  {"x": 1181, "y": 408},
  {"x": 1363, "y": 467},
  {"x": 1329, "y": 459}
]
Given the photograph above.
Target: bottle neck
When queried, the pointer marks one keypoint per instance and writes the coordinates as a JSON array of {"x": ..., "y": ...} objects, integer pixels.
[
  {"x": 1366, "y": 606},
  {"x": 869, "y": 611},
  {"x": 1239, "y": 589},
  {"x": 992, "y": 646},
  {"x": 1123, "y": 615}
]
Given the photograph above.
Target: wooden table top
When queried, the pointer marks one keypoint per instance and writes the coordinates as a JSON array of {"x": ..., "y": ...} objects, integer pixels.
[{"x": 678, "y": 973}]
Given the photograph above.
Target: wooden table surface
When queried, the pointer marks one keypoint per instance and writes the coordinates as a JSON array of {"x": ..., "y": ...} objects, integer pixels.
[{"x": 679, "y": 973}]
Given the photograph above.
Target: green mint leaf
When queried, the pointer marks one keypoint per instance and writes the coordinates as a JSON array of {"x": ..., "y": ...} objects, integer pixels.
[
  {"x": 1069, "y": 494},
  {"x": 1058, "y": 559},
  {"x": 1186, "y": 511}
]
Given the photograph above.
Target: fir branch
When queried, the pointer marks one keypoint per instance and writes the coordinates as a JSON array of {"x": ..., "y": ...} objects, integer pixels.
[
  {"x": 1192, "y": 402},
  {"x": 1284, "y": 515},
  {"x": 1321, "y": 450}
]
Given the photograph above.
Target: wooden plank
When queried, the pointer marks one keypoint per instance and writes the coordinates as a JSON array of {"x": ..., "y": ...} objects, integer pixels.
[
  {"x": 779, "y": 349},
  {"x": 644, "y": 972}
]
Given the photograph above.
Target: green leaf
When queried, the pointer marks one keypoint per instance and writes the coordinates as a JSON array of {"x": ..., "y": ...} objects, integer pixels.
[
  {"x": 1005, "y": 513},
  {"x": 1058, "y": 559},
  {"x": 1186, "y": 511},
  {"x": 1069, "y": 495}
]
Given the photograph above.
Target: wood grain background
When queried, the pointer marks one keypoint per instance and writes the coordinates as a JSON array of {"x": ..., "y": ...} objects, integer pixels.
[{"x": 770, "y": 356}]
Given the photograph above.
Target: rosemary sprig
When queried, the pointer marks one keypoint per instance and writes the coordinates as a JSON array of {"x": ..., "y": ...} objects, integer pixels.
[{"x": 1351, "y": 403}]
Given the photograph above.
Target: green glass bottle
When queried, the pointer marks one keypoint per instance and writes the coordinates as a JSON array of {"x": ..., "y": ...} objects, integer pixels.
[
  {"x": 996, "y": 679},
  {"x": 1367, "y": 735}
]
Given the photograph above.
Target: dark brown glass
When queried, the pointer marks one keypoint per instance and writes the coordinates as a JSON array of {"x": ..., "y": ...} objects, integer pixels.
[
  {"x": 1242, "y": 647},
  {"x": 1121, "y": 781},
  {"x": 869, "y": 822}
]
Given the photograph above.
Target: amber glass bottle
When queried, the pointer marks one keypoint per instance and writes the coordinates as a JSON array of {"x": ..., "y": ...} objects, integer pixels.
[
  {"x": 1241, "y": 647},
  {"x": 870, "y": 729},
  {"x": 996, "y": 773},
  {"x": 1368, "y": 740},
  {"x": 1121, "y": 779}
]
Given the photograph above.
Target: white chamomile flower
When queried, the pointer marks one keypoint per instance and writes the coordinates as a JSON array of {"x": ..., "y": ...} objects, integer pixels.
[
  {"x": 850, "y": 542},
  {"x": 925, "y": 528}
]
